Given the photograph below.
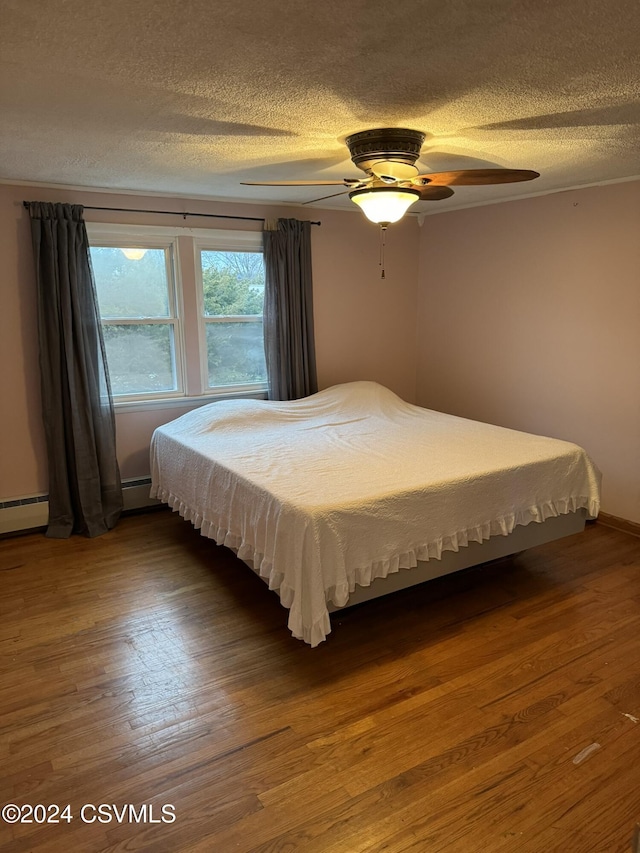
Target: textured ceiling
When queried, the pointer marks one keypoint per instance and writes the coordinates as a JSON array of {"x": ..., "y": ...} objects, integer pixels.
[{"x": 189, "y": 97}]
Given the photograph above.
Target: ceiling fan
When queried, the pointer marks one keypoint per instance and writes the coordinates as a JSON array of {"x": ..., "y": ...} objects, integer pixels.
[{"x": 392, "y": 181}]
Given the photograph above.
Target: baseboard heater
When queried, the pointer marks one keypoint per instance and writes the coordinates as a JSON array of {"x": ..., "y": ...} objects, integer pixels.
[{"x": 33, "y": 512}]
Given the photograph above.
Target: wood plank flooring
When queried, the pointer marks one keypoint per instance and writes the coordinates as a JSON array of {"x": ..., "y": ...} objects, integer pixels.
[{"x": 150, "y": 668}]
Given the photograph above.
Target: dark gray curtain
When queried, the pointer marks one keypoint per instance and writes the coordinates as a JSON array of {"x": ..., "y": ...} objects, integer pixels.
[
  {"x": 85, "y": 494},
  {"x": 288, "y": 310}
]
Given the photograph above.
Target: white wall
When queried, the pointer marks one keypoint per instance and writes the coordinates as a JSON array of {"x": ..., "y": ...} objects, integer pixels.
[
  {"x": 354, "y": 312},
  {"x": 529, "y": 317}
]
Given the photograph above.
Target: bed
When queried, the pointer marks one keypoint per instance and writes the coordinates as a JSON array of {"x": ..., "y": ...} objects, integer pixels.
[{"x": 332, "y": 497}]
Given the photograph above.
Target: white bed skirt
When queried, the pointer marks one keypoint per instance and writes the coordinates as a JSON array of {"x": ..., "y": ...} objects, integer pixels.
[{"x": 473, "y": 554}]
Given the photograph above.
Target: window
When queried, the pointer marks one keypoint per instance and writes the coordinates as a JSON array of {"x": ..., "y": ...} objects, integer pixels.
[
  {"x": 232, "y": 303},
  {"x": 175, "y": 328},
  {"x": 136, "y": 295}
]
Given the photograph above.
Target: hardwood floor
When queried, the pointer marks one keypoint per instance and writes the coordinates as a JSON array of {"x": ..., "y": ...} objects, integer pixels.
[{"x": 494, "y": 710}]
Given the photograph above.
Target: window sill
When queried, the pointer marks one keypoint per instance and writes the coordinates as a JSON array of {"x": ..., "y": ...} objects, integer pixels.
[{"x": 126, "y": 406}]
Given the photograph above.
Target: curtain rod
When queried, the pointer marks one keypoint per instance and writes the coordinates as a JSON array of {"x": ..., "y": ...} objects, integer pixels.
[{"x": 171, "y": 213}]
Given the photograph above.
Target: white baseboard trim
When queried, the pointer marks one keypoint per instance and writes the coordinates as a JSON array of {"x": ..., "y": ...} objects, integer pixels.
[{"x": 34, "y": 512}]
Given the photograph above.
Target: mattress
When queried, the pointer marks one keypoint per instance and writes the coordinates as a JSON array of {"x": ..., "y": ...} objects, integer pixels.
[{"x": 352, "y": 484}]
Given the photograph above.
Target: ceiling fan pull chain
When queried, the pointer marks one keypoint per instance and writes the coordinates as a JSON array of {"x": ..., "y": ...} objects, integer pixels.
[{"x": 383, "y": 231}]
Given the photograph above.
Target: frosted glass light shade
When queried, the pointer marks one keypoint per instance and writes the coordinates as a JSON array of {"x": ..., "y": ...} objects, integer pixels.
[
  {"x": 134, "y": 254},
  {"x": 383, "y": 205}
]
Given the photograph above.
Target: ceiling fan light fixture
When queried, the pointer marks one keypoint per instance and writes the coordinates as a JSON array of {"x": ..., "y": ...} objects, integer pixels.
[{"x": 384, "y": 205}]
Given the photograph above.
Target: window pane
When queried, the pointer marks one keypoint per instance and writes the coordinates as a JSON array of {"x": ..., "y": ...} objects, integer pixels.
[
  {"x": 140, "y": 357},
  {"x": 233, "y": 283},
  {"x": 130, "y": 288},
  {"x": 235, "y": 353}
]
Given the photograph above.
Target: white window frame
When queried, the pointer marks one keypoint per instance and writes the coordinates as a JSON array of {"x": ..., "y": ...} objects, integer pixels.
[
  {"x": 222, "y": 241},
  {"x": 190, "y": 343},
  {"x": 145, "y": 237}
]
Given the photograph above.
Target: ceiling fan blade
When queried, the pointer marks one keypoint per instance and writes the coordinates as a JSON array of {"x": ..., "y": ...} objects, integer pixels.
[
  {"x": 477, "y": 177},
  {"x": 431, "y": 193},
  {"x": 322, "y": 198},
  {"x": 347, "y": 182}
]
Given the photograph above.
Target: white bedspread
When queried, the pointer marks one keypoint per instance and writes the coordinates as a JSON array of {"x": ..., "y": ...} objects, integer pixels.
[{"x": 353, "y": 483}]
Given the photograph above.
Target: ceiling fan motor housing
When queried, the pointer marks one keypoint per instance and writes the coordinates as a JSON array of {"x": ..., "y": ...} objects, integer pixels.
[{"x": 396, "y": 144}]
